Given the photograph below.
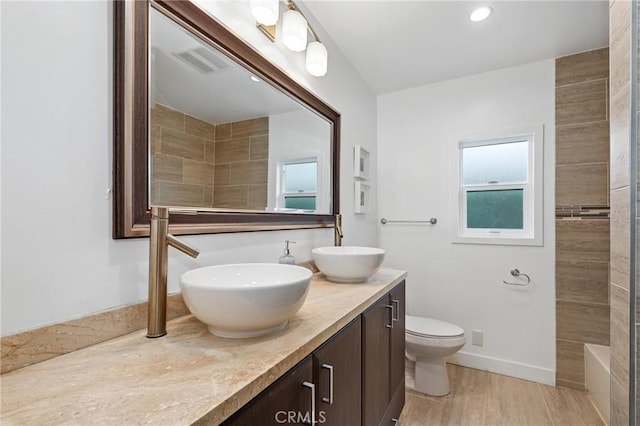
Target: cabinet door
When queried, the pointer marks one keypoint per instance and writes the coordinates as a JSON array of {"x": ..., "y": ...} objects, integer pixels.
[
  {"x": 397, "y": 299},
  {"x": 375, "y": 361},
  {"x": 287, "y": 401},
  {"x": 336, "y": 364}
]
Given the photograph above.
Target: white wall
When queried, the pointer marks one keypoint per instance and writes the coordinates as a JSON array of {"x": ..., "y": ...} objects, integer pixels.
[
  {"x": 58, "y": 259},
  {"x": 417, "y": 132}
]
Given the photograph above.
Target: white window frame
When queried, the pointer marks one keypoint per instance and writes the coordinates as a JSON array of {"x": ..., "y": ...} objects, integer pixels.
[
  {"x": 282, "y": 194},
  {"x": 532, "y": 232}
]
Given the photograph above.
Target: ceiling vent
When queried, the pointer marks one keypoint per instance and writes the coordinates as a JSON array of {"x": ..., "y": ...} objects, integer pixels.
[{"x": 203, "y": 60}]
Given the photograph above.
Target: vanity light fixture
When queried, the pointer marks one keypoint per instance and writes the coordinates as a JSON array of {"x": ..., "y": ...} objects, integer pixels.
[
  {"x": 480, "y": 13},
  {"x": 295, "y": 29}
]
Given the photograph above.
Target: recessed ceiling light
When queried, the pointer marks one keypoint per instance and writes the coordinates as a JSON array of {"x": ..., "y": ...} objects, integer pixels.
[
  {"x": 480, "y": 14},
  {"x": 254, "y": 78}
]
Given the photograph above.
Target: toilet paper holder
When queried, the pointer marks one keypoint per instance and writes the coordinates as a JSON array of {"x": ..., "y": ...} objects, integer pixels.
[{"x": 516, "y": 273}]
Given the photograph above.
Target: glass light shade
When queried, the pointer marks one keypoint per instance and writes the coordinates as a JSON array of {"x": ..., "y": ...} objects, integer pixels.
[
  {"x": 294, "y": 30},
  {"x": 265, "y": 12},
  {"x": 316, "y": 61}
]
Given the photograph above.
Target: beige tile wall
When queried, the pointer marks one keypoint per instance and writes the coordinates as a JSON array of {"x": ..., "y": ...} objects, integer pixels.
[
  {"x": 181, "y": 159},
  {"x": 197, "y": 164},
  {"x": 637, "y": 239},
  {"x": 582, "y": 181},
  {"x": 620, "y": 114},
  {"x": 637, "y": 219}
]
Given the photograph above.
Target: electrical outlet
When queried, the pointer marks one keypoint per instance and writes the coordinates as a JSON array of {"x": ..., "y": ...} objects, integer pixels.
[{"x": 477, "y": 337}]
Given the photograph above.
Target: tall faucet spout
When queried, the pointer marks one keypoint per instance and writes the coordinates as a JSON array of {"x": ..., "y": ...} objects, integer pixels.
[
  {"x": 159, "y": 241},
  {"x": 187, "y": 249}
]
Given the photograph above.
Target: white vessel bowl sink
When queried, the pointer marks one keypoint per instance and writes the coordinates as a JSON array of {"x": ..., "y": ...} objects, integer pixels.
[
  {"x": 245, "y": 299},
  {"x": 348, "y": 264}
]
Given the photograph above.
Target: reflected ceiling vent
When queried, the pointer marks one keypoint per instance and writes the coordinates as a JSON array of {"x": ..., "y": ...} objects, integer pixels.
[{"x": 203, "y": 60}]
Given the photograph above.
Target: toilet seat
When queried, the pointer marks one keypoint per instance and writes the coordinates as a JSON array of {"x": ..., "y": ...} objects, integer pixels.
[{"x": 429, "y": 327}]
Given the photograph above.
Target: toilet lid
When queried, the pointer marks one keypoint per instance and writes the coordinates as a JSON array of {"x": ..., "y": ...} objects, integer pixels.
[{"x": 428, "y": 327}]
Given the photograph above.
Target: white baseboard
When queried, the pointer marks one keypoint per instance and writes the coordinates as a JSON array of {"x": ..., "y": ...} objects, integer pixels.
[{"x": 504, "y": 367}]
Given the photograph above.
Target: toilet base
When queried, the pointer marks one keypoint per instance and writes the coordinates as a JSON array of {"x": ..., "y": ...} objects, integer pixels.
[{"x": 431, "y": 377}]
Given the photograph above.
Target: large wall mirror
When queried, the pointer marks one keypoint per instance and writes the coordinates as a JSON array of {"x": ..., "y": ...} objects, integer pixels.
[{"x": 208, "y": 126}]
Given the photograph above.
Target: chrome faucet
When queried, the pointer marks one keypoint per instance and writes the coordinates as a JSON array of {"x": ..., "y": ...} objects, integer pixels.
[
  {"x": 159, "y": 242},
  {"x": 337, "y": 237}
]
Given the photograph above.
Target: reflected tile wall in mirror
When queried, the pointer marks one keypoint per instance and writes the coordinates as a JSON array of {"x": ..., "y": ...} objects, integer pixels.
[{"x": 198, "y": 164}]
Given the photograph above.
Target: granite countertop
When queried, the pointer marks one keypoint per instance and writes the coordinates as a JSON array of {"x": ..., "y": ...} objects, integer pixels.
[{"x": 188, "y": 376}]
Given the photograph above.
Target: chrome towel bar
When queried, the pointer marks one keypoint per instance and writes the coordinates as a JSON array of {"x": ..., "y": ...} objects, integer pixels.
[{"x": 431, "y": 221}]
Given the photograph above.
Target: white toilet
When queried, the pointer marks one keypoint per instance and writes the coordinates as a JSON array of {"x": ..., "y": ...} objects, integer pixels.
[{"x": 428, "y": 343}]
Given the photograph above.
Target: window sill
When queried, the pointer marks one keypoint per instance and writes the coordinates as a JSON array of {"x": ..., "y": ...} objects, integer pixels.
[{"x": 498, "y": 239}]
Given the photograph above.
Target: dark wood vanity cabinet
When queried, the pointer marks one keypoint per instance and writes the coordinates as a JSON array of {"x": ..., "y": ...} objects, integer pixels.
[
  {"x": 331, "y": 375},
  {"x": 383, "y": 326},
  {"x": 356, "y": 377}
]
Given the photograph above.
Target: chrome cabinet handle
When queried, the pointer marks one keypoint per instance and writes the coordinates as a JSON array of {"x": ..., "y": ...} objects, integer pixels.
[
  {"x": 390, "y": 325},
  {"x": 395, "y": 421},
  {"x": 330, "y": 399},
  {"x": 396, "y": 304},
  {"x": 313, "y": 400}
]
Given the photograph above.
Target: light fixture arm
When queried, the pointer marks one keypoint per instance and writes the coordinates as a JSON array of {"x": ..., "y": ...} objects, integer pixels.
[{"x": 292, "y": 6}]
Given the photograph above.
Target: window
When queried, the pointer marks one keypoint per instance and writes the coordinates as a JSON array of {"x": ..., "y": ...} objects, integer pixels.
[
  {"x": 499, "y": 191},
  {"x": 299, "y": 188}
]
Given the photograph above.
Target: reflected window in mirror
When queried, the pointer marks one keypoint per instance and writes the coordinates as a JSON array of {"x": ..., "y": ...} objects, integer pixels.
[{"x": 299, "y": 188}]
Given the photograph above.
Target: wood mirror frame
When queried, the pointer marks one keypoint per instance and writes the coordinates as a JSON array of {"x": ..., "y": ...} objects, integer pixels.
[{"x": 131, "y": 211}]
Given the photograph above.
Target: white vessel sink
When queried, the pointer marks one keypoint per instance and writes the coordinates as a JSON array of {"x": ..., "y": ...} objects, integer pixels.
[
  {"x": 348, "y": 264},
  {"x": 245, "y": 299}
]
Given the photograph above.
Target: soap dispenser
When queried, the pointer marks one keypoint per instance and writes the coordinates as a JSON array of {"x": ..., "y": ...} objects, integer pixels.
[{"x": 287, "y": 257}]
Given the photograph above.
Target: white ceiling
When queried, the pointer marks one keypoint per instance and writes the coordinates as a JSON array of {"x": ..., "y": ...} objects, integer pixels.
[
  {"x": 222, "y": 96},
  {"x": 398, "y": 45}
]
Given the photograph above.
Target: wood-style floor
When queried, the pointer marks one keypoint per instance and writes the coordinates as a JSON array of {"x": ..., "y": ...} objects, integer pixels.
[{"x": 487, "y": 399}]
